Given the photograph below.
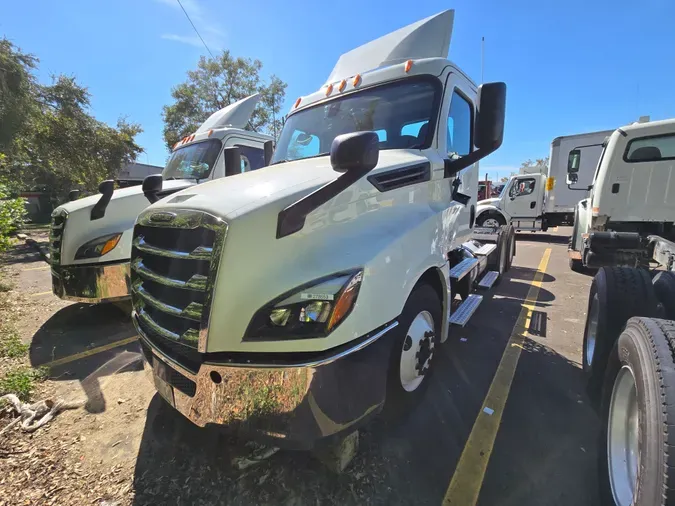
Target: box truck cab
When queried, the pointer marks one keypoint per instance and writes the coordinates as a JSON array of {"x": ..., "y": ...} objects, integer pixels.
[
  {"x": 300, "y": 300},
  {"x": 632, "y": 196},
  {"x": 539, "y": 197},
  {"x": 90, "y": 238}
]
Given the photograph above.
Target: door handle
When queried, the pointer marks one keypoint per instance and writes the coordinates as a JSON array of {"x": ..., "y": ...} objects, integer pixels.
[{"x": 532, "y": 204}]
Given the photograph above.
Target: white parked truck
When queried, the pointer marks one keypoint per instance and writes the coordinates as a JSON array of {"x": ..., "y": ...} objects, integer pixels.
[
  {"x": 298, "y": 301},
  {"x": 538, "y": 197},
  {"x": 626, "y": 229},
  {"x": 90, "y": 238}
]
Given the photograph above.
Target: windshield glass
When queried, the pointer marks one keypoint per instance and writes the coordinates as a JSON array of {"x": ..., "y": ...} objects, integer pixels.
[
  {"x": 194, "y": 161},
  {"x": 399, "y": 113}
]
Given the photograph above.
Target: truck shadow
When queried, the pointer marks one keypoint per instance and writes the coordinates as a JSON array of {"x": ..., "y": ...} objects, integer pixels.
[
  {"x": 546, "y": 423},
  {"x": 527, "y": 274},
  {"x": 542, "y": 237},
  {"x": 85, "y": 342},
  {"x": 21, "y": 254}
]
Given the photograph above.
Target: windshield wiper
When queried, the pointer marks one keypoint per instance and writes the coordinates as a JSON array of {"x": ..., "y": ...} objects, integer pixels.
[{"x": 281, "y": 161}]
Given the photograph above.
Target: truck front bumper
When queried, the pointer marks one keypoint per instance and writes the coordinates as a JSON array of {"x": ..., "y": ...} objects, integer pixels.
[
  {"x": 91, "y": 283},
  {"x": 294, "y": 405}
]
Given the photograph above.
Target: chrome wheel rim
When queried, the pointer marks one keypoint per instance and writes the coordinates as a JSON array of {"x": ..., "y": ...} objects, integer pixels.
[
  {"x": 622, "y": 438},
  {"x": 491, "y": 223},
  {"x": 418, "y": 350},
  {"x": 593, "y": 317}
]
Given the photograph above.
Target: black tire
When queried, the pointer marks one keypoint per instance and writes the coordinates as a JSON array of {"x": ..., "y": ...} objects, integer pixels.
[
  {"x": 646, "y": 348},
  {"x": 399, "y": 401},
  {"x": 621, "y": 292},
  {"x": 480, "y": 221},
  {"x": 664, "y": 287}
]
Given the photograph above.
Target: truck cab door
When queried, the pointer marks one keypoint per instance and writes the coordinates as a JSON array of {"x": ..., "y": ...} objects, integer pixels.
[
  {"x": 455, "y": 135},
  {"x": 524, "y": 196}
]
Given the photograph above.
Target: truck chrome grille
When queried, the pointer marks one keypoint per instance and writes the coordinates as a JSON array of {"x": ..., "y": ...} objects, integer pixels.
[
  {"x": 174, "y": 259},
  {"x": 58, "y": 225}
]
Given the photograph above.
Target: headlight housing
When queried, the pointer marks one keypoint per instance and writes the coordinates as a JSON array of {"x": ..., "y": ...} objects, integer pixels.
[
  {"x": 98, "y": 247},
  {"x": 312, "y": 310}
]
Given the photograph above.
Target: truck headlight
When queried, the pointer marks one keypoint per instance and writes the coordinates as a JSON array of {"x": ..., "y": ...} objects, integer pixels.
[
  {"x": 98, "y": 247},
  {"x": 313, "y": 310}
]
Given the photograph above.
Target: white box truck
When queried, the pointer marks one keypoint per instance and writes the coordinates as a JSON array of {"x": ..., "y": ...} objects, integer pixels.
[
  {"x": 626, "y": 229},
  {"x": 298, "y": 301},
  {"x": 90, "y": 238},
  {"x": 539, "y": 197}
]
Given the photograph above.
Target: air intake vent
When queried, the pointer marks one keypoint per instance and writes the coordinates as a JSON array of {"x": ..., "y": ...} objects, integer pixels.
[{"x": 398, "y": 178}]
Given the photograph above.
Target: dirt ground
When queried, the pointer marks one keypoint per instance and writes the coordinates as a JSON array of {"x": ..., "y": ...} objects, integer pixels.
[{"x": 127, "y": 447}]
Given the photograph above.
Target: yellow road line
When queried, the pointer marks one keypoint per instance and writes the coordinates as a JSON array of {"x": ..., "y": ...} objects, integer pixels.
[
  {"x": 470, "y": 471},
  {"x": 43, "y": 268},
  {"x": 41, "y": 293},
  {"x": 90, "y": 352}
]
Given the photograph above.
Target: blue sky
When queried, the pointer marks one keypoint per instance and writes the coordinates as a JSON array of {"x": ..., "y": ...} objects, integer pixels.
[{"x": 571, "y": 66}]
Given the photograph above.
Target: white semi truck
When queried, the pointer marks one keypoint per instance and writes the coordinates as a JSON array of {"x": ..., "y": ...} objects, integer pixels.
[
  {"x": 626, "y": 229},
  {"x": 298, "y": 301},
  {"x": 539, "y": 197},
  {"x": 90, "y": 238}
]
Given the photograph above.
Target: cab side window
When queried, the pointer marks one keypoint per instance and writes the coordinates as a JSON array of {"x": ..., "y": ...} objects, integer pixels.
[
  {"x": 251, "y": 158},
  {"x": 459, "y": 125},
  {"x": 522, "y": 187}
]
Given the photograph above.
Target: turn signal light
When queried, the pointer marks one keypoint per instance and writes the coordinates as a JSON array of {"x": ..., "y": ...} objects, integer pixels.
[
  {"x": 297, "y": 103},
  {"x": 329, "y": 89},
  {"x": 408, "y": 66},
  {"x": 357, "y": 80},
  {"x": 343, "y": 85},
  {"x": 345, "y": 301},
  {"x": 210, "y": 132}
]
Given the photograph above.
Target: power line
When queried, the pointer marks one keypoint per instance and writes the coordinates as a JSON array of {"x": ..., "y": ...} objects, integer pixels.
[{"x": 195, "y": 28}]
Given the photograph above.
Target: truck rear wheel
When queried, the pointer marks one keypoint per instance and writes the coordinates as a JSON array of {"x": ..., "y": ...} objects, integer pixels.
[
  {"x": 664, "y": 286},
  {"x": 617, "y": 294},
  {"x": 417, "y": 336},
  {"x": 638, "y": 408}
]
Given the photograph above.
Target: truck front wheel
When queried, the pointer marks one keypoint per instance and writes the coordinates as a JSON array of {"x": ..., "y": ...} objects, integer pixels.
[
  {"x": 490, "y": 220},
  {"x": 638, "y": 410},
  {"x": 416, "y": 339},
  {"x": 617, "y": 294}
]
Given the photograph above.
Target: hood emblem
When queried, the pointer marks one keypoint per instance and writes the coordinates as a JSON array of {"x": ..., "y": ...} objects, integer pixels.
[{"x": 163, "y": 217}]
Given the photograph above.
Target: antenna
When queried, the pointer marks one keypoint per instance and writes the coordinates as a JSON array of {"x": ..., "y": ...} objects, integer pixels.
[{"x": 482, "y": 59}]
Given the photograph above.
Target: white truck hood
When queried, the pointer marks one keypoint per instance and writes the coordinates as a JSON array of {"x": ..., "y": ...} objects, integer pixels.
[
  {"x": 282, "y": 183},
  {"x": 120, "y": 216}
]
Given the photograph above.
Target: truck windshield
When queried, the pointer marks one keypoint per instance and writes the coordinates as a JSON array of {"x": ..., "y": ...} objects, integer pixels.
[
  {"x": 194, "y": 161},
  {"x": 399, "y": 113}
]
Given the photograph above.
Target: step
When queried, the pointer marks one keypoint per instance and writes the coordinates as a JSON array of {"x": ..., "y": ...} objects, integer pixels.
[
  {"x": 488, "y": 279},
  {"x": 463, "y": 268},
  {"x": 485, "y": 249},
  {"x": 466, "y": 310}
]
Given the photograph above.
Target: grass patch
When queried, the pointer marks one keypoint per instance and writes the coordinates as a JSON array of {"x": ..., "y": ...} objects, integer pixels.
[
  {"x": 21, "y": 382},
  {"x": 5, "y": 287},
  {"x": 11, "y": 346}
]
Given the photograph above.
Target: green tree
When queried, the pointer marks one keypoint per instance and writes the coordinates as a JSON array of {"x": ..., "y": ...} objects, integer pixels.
[
  {"x": 17, "y": 90},
  {"x": 55, "y": 143},
  {"x": 216, "y": 83}
]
